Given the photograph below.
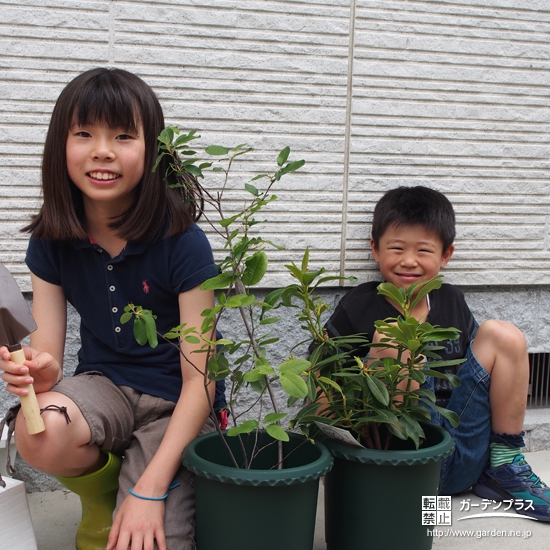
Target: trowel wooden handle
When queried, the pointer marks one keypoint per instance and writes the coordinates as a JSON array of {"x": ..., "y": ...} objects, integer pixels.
[{"x": 29, "y": 403}]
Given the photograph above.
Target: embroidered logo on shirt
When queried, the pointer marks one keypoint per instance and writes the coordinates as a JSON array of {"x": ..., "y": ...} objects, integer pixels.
[{"x": 145, "y": 286}]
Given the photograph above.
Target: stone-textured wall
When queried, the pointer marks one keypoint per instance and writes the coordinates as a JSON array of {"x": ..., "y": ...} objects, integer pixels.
[{"x": 372, "y": 94}]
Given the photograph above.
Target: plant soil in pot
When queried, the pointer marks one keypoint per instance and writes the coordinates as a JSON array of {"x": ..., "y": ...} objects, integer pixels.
[
  {"x": 373, "y": 498},
  {"x": 262, "y": 507}
]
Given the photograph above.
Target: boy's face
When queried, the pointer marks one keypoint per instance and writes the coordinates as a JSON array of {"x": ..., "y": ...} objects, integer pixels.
[{"x": 410, "y": 255}]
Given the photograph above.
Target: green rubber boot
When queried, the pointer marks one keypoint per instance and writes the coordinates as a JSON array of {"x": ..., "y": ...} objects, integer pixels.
[{"x": 97, "y": 492}]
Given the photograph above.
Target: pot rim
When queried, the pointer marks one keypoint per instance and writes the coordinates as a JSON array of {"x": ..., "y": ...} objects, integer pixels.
[
  {"x": 408, "y": 457},
  {"x": 239, "y": 476}
]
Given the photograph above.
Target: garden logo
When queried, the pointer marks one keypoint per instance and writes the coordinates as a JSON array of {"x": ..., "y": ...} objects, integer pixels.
[{"x": 436, "y": 510}]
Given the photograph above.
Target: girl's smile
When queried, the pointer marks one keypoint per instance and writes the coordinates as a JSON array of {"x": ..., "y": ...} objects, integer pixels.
[
  {"x": 105, "y": 163},
  {"x": 103, "y": 176}
]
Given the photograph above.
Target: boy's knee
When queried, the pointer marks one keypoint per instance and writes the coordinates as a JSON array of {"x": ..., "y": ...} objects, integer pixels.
[{"x": 502, "y": 335}]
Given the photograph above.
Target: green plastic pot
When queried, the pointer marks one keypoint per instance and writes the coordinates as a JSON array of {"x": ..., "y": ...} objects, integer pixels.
[
  {"x": 249, "y": 509},
  {"x": 373, "y": 499}
]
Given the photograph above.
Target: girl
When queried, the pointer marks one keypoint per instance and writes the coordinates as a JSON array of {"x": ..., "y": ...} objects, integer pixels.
[{"x": 111, "y": 232}]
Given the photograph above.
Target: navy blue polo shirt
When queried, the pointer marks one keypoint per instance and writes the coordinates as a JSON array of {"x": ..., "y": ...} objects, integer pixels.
[{"x": 151, "y": 275}]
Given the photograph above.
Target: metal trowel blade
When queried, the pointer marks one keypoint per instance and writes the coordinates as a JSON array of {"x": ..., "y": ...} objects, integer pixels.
[{"x": 16, "y": 320}]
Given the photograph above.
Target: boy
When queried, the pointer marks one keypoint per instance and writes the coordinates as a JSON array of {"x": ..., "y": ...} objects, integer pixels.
[{"x": 412, "y": 240}]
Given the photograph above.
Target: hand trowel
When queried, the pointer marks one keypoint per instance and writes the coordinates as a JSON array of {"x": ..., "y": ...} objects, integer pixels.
[{"x": 16, "y": 322}]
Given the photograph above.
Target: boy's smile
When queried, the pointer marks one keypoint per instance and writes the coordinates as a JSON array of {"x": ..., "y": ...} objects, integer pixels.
[{"x": 410, "y": 255}]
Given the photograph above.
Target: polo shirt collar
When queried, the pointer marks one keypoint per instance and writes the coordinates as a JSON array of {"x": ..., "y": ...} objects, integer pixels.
[{"x": 131, "y": 248}]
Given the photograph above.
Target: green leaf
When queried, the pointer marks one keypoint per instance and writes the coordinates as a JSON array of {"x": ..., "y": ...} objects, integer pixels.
[
  {"x": 216, "y": 150},
  {"x": 283, "y": 155},
  {"x": 223, "y": 280},
  {"x": 125, "y": 317},
  {"x": 167, "y": 134},
  {"x": 452, "y": 378},
  {"x": 150, "y": 328},
  {"x": 269, "y": 320},
  {"x": 413, "y": 429},
  {"x": 293, "y": 166},
  {"x": 256, "y": 374},
  {"x": 392, "y": 292},
  {"x": 226, "y": 222},
  {"x": 398, "y": 430},
  {"x": 271, "y": 299},
  {"x": 276, "y": 432},
  {"x": 192, "y": 340},
  {"x": 378, "y": 390},
  {"x": 274, "y": 417},
  {"x": 256, "y": 267},
  {"x": 297, "y": 366},
  {"x": 184, "y": 138},
  {"x": 269, "y": 341},
  {"x": 311, "y": 388},
  {"x": 275, "y": 246},
  {"x": 218, "y": 368},
  {"x": 451, "y": 416},
  {"x": 305, "y": 260},
  {"x": 251, "y": 189},
  {"x": 194, "y": 170},
  {"x": 245, "y": 428},
  {"x": 240, "y": 146},
  {"x": 426, "y": 288},
  {"x": 293, "y": 384},
  {"x": 334, "y": 385},
  {"x": 140, "y": 331},
  {"x": 240, "y": 300},
  {"x": 224, "y": 342},
  {"x": 157, "y": 162}
]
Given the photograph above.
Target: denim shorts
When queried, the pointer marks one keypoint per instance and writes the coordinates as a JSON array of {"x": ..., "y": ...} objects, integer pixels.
[{"x": 470, "y": 401}]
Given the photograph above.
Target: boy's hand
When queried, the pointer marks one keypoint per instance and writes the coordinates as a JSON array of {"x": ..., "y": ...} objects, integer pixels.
[
  {"x": 139, "y": 523},
  {"x": 40, "y": 369}
]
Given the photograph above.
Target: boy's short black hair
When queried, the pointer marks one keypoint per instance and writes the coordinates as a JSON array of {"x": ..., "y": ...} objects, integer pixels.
[{"x": 415, "y": 206}]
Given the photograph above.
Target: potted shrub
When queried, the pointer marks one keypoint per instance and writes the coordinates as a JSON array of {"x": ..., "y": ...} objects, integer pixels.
[
  {"x": 278, "y": 470},
  {"x": 256, "y": 469},
  {"x": 387, "y": 453}
]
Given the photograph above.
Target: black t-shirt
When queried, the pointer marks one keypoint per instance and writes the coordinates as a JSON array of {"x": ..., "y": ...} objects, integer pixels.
[{"x": 361, "y": 307}]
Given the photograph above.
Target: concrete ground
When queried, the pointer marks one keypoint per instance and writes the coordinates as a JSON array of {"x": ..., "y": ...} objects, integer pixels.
[{"x": 55, "y": 517}]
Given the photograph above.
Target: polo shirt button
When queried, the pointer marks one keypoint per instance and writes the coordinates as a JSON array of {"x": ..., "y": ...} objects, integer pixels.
[
  {"x": 118, "y": 329},
  {"x": 110, "y": 267},
  {"x": 112, "y": 288},
  {"x": 115, "y": 309}
]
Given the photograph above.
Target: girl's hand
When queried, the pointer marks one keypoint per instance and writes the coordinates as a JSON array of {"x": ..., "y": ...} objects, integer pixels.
[
  {"x": 40, "y": 369},
  {"x": 139, "y": 522}
]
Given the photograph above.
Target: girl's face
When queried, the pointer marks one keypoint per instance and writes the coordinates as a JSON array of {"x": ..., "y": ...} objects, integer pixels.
[{"x": 106, "y": 164}]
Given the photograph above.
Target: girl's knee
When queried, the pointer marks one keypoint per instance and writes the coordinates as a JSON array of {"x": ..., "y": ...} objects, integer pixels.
[{"x": 46, "y": 450}]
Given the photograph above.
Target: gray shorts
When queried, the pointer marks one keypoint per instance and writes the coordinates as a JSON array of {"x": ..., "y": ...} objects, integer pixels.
[{"x": 132, "y": 424}]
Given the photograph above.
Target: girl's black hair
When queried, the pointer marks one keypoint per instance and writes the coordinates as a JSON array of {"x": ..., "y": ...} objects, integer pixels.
[
  {"x": 408, "y": 206},
  {"x": 118, "y": 99}
]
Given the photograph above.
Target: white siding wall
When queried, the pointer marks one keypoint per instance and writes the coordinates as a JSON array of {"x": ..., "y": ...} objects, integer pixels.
[{"x": 373, "y": 94}]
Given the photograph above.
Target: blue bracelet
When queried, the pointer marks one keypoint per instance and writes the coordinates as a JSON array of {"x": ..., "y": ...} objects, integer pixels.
[{"x": 173, "y": 485}]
